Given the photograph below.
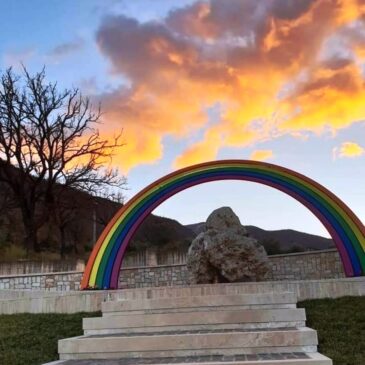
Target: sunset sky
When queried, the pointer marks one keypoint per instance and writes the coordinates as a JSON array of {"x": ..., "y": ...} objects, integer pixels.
[{"x": 192, "y": 81}]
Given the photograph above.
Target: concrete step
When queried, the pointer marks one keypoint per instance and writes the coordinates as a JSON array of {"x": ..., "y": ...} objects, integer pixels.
[
  {"x": 213, "y": 302},
  {"x": 297, "y": 358},
  {"x": 198, "y": 320},
  {"x": 227, "y": 343},
  {"x": 200, "y": 290}
]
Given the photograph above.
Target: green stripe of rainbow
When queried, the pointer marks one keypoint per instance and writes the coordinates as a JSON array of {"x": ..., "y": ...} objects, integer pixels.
[{"x": 347, "y": 231}]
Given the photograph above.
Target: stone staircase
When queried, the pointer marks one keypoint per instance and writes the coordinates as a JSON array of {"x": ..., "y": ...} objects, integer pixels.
[{"x": 246, "y": 329}]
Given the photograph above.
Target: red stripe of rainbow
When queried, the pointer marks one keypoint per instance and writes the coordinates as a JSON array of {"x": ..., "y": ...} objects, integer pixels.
[{"x": 347, "y": 231}]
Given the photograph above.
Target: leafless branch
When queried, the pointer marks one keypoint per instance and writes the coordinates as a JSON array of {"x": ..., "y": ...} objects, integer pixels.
[{"x": 50, "y": 138}]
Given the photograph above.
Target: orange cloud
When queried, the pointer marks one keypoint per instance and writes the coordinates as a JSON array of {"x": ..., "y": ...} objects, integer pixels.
[
  {"x": 273, "y": 67},
  {"x": 205, "y": 150},
  {"x": 261, "y": 155},
  {"x": 350, "y": 149}
]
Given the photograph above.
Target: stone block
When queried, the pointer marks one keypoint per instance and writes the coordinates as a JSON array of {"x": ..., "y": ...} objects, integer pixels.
[
  {"x": 196, "y": 320},
  {"x": 202, "y": 301}
]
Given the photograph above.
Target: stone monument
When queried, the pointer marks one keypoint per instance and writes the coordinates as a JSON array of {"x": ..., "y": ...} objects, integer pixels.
[{"x": 223, "y": 252}]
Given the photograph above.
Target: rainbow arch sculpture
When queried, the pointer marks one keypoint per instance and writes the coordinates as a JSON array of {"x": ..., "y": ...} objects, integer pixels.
[{"x": 346, "y": 230}]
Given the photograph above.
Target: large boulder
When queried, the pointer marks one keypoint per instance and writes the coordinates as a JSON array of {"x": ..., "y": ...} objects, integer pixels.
[{"x": 225, "y": 253}]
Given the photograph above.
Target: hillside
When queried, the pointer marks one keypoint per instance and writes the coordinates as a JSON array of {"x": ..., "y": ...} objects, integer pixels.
[
  {"x": 162, "y": 233},
  {"x": 87, "y": 216}
]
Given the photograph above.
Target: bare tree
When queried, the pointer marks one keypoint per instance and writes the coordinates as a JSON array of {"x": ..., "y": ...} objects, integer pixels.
[
  {"x": 48, "y": 139},
  {"x": 101, "y": 215},
  {"x": 64, "y": 212},
  {"x": 7, "y": 201},
  {"x": 7, "y": 206}
]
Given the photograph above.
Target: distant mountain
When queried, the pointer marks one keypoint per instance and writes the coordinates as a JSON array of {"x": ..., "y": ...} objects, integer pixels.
[
  {"x": 280, "y": 241},
  {"x": 196, "y": 227}
]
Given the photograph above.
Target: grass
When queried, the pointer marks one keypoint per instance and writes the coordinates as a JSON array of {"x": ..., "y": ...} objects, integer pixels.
[
  {"x": 31, "y": 339},
  {"x": 340, "y": 324}
]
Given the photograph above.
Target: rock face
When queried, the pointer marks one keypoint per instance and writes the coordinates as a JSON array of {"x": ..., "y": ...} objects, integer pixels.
[{"x": 225, "y": 253}]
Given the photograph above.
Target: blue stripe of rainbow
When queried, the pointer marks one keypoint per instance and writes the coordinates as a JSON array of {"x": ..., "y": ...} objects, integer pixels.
[{"x": 347, "y": 231}]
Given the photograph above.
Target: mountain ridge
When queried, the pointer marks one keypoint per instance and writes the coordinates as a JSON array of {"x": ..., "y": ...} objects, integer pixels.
[{"x": 281, "y": 240}]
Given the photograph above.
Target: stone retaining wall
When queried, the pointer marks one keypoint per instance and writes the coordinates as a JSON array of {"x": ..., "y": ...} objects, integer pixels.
[
  {"x": 297, "y": 266},
  {"x": 28, "y": 301},
  {"x": 164, "y": 275},
  {"x": 61, "y": 281},
  {"x": 324, "y": 264}
]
